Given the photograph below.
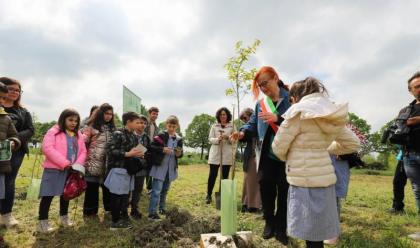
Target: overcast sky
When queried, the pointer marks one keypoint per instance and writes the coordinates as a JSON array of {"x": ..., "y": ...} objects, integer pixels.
[{"x": 171, "y": 53}]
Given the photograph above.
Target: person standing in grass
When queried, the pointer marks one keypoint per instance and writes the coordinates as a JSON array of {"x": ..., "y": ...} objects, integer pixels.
[
  {"x": 151, "y": 130},
  {"x": 22, "y": 120},
  {"x": 97, "y": 134},
  {"x": 139, "y": 178},
  {"x": 122, "y": 165},
  {"x": 64, "y": 148},
  {"x": 312, "y": 127},
  {"x": 167, "y": 147},
  {"x": 251, "y": 197},
  {"x": 8, "y": 136}
]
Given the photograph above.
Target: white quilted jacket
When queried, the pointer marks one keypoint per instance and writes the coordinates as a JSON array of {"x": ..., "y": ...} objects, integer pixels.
[{"x": 312, "y": 128}]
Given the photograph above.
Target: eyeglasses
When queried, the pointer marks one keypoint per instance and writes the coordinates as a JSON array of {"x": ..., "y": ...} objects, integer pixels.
[{"x": 15, "y": 90}]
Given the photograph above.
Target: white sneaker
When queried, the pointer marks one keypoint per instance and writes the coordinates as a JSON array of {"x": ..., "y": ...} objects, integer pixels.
[
  {"x": 333, "y": 241},
  {"x": 65, "y": 221},
  {"x": 415, "y": 236},
  {"x": 8, "y": 220},
  {"x": 44, "y": 227}
]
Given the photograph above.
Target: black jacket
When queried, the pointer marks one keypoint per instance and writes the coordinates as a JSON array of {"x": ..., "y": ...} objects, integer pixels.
[
  {"x": 22, "y": 120},
  {"x": 157, "y": 145},
  {"x": 122, "y": 141}
]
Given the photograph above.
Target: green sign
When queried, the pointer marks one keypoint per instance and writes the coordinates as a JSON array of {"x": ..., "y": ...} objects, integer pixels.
[{"x": 131, "y": 102}]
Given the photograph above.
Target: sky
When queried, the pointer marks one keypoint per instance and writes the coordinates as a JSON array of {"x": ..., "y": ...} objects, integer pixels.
[{"x": 171, "y": 53}]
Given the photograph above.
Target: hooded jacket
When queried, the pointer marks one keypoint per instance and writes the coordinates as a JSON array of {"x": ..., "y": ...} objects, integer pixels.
[{"x": 313, "y": 128}]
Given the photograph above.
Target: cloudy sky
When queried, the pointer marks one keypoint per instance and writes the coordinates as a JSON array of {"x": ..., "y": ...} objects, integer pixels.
[{"x": 171, "y": 53}]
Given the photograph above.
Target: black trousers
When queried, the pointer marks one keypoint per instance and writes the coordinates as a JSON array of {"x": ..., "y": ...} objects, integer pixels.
[
  {"x": 44, "y": 207},
  {"x": 118, "y": 206},
  {"x": 91, "y": 202},
  {"x": 274, "y": 189},
  {"x": 214, "y": 169},
  {"x": 399, "y": 182},
  {"x": 314, "y": 244},
  {"x": 135, "y": 194}
]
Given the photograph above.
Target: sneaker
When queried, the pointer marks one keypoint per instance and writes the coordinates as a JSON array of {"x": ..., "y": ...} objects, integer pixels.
[
  {"x": 65, "y": 221},
  {"x": 333, "y": 241},
  {"x": 154, "y": 217},
  {"x": 396, "y": 211},
  {"x": 44, "y": 227},
  {"x": 163, "y": 212},
  {"x": 415, "y": 236},
  {"x": 244, "y": 209},
  {"x": 119, "y": 225},
  {"x": 8, "y": 220},
  {"x": 135, "y": 214}
]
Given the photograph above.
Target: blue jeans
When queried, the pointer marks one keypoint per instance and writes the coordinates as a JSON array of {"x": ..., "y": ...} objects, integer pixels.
[
  {"x": 412, "y": 169},
  {"x": 7, "y": 203},
  {"x": 159, "y": 191}
]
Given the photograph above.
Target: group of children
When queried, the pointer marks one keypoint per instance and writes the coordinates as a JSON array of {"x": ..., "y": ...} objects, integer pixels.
[{"x": 117, "y": 160}]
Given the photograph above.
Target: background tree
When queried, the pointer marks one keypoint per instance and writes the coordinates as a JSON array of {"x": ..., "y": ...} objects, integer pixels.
[
  {"x": 41, "y": 129},
  {"x": 239, "y": 77},
  {"x": 197, "y": 132}
]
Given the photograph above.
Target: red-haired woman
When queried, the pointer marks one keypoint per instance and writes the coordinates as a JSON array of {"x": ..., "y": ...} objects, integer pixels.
[{"x": 264, "y": 124}]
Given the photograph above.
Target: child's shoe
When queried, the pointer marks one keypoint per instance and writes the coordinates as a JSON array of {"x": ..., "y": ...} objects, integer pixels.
[
  {"x": 8, "y": 220},
  {"x": 120, "y": 225},
  {"x": 154, "y": 217},
  {"x": 44, "y": 227},
  {"x": 65, "y": 221}
]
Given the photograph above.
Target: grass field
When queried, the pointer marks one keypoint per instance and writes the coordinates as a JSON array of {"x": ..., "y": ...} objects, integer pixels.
[{"x": 365, "y": 222}]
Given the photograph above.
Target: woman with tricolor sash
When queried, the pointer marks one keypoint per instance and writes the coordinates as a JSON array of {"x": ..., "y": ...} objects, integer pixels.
[{"x": 271, "y": 171}]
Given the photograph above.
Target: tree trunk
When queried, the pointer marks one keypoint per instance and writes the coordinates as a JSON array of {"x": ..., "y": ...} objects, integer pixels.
[{"x": 202, "y": 151}]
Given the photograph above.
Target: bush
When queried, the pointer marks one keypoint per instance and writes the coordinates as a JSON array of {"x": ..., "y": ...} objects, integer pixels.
[
  {"x": 192, "y": 158},
  {"x": 376, "y": 166}
]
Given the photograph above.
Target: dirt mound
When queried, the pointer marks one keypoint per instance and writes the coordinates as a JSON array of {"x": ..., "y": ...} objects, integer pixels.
[{"x": 181, "y": 229}]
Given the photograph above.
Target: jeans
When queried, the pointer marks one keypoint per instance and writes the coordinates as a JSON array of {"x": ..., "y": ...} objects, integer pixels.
[
  {"x": 6, "y": 204},
  {"x": 399, "y": 182},
  {"x": 91, "y": 202},
  {"x": 412, "y": 169},
  {"x": 159, "y": 191},
  {"x": 44, "y": 207}
]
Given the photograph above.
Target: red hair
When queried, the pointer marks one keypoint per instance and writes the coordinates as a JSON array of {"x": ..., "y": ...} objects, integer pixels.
[{"x": 264, "y": 70}]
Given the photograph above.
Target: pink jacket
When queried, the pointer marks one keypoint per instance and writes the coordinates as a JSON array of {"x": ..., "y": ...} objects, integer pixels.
[{"x": 54, "y": 147}]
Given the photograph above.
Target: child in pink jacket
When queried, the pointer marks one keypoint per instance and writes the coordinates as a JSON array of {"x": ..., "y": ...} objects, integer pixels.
[{"x": 63, "y": 147}]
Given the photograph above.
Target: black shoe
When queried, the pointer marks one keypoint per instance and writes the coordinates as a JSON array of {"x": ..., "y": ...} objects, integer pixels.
[
  {"x": 120, "y": 225},
  {"x": 244, "y": 209},
  {"x": 135, "y": 214},
  {"x": 396, "y": 211},
  {"x": 282, "y": 237},
  {"x": 154, "y": 217},
  {"x": 268, "y": 232},
  {"x": 253, "y": 210},
  {"x": 208, "y": 199},
  {"x": 162, "y": 211}
]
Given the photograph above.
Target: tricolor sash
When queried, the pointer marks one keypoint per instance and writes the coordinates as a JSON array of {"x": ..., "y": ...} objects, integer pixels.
[{"x": 267, "y": 106}]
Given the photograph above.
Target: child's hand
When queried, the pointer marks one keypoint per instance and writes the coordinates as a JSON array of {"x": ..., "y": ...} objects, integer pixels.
[
  {"x": 167, "y": 150},
  {"x": 134, "y": 152},
  {"x": 178, "y": 151},
  {"x": 12, "y": 145}
]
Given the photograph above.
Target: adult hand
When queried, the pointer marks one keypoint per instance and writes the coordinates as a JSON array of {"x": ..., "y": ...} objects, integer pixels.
[
  {"x": 268, "y": 117},
  {"x": 167, "y": 150},
  {"x": 12, "y": 145},
  {"x": 413, "y": 121},
  {"x": 241, "y": 135}
]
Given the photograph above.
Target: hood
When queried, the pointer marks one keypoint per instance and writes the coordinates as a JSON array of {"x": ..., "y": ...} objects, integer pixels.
[{"x": 329, "y": 116}]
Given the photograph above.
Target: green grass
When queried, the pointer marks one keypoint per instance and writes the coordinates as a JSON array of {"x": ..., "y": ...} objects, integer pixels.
[{"x": 365, "y": 222}]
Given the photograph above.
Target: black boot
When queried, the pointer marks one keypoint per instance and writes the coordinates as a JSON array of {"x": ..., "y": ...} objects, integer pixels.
[
  {"x": 208, "y": 199},
  {"x": 268, "y": 232},
  {"x": 281, "y": 236}
]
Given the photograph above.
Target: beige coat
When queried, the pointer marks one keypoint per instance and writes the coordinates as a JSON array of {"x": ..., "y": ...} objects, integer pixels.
[
  {"x": 214, "y": 154},
  {"x": 312, "y": 128}
]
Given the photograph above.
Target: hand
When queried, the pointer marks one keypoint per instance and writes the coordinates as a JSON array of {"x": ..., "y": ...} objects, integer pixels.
[
  {"x": 12, "y": 145},
  {"x": 167, "y": 150},
  {"x": 234, "y": 137},
  {"x": 134, "y": 152},
  {"x": 178, "y": 152},
  {"x": 413, "y": 121},
  {"x": 268, "y": 117}
]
